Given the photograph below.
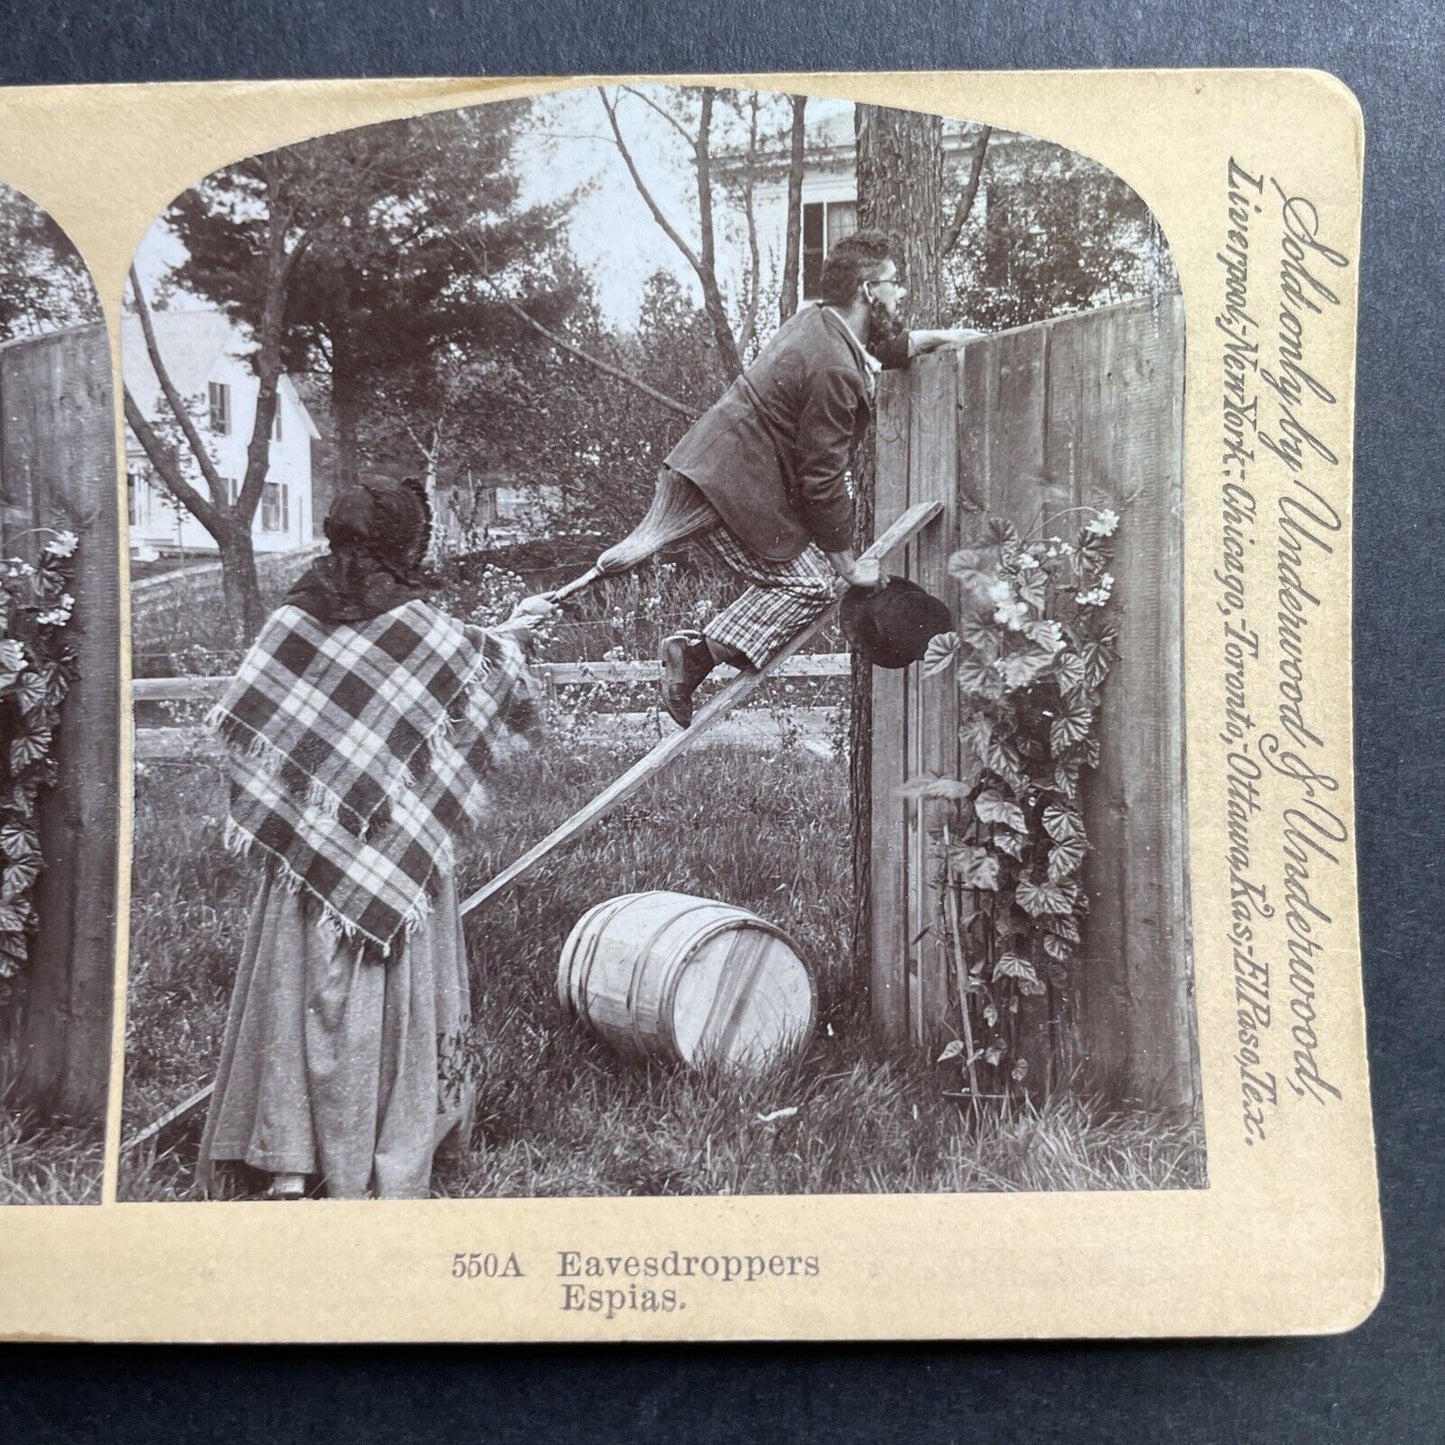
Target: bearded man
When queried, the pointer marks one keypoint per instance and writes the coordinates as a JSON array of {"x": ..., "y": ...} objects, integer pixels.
[{"x": 763, "y": 475}]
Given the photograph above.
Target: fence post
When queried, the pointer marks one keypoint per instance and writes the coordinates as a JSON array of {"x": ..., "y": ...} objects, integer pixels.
[{"x": 57, "y": 469}]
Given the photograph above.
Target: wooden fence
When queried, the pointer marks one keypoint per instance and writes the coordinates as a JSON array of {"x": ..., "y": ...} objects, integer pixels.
[
  {"x": 57, "y": 469},
  {"x": 1083, "y": 411}
]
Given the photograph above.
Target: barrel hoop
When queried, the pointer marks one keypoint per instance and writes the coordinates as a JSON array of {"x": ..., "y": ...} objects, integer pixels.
[
  {"x": 743, "y": 957},
  {"x": 639, "y": 965},
  {"x": 750, "y": 920},
  {"x": 579, "y": 970}
]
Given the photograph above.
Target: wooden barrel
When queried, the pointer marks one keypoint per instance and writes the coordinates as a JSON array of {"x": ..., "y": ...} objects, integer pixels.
[{"x": 663, "y": 975}]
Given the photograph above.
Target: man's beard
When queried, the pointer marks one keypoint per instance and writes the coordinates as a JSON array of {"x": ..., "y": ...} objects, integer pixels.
[{"x": 883, "y": 325}]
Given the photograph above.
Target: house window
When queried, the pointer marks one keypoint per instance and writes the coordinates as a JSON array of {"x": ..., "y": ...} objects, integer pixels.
[
  {"x": 825, "y": 223},
  {"x": 233, "y": 490},
  {"x": 276, "y": 507},
  {"x": 276, "y": 422},
  {"x": 137, "y": 496},
  {"x": 219, "y": 396}
]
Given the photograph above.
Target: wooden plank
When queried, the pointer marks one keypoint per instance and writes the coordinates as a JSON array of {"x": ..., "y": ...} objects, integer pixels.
[
  {"x": 887, "y": 883},
  {"x": 932, "y": 702},
  {"x": 57, "y": 461},
  {"x": 562, "y": 674},
  {"x": 716, "y": 708},
  {"x": 1141, "y": 356}
]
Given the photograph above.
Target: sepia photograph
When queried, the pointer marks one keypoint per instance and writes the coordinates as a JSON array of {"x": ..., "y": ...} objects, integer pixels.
[
  {"x": 657, "y": 651},
  {"x": 60, "y": 700}
]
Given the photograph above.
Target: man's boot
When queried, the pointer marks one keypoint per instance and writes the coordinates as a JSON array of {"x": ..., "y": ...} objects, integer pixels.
[{"x": 686, "y": 660}]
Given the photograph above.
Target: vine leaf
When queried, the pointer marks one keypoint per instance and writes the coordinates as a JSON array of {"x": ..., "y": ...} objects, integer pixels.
[
  {"x": 1019, "y": 669},
  {"x": 1048, "y": 634},
  {"x": 1021, "y": 970},
  {"x": 1064, "y": 926},
  {"x": 981, "y": 634},
  {"x": 1062, "y": 823},
  {"x": 29, "y": 748},
  {"x": 941, "y": 651},
  {"x": 1045, "y": 896},
  {"x": 951, "y": 1050},
  {"x": 1098, "y": 658},
  {"x": 1069, "y": 670},
  {"x": 19, "y": 878},
  {"x": 12, "y": 662},
  {"x": 18, "y": 842},
  {"x": 993, "y": 807},
  {"x": 1058, "y": 948},
  {"x": 974, "y": 867},
  {"x": 1065, "y": 858},
  {"x": 992, "y": 1056},
  {"x": 977, "y": 679},
  {"x": 1033, "y": 588},
  {"x": 1070, "y": 725}
]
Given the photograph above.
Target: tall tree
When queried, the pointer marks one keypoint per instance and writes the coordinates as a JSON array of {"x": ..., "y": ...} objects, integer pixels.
[
  {"x": 278, "y": 228},
  {"x": 382, "y": 291},
  {"x": 44, "y": 285},
  {"x": 792, "y": 245},
  {"x": 900, "y": 191}
]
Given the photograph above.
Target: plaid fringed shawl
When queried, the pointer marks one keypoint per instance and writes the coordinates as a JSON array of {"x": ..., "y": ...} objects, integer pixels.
[{"x": 357, "y": 753}]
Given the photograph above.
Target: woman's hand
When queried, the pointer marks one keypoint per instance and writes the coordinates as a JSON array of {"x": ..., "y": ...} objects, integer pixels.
[{"x": 528, "y": 613}]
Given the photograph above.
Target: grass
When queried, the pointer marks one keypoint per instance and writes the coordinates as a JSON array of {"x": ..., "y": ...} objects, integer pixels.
[
  {"x": 48, "y": 1165},
  {"x": 558, "y": 1113}
]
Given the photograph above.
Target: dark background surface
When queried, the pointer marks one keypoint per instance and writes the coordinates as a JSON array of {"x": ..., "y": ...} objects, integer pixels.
[{"x": 1380, "y": 1383}]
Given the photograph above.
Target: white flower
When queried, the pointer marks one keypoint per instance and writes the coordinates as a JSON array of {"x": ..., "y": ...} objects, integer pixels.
[
  {"x": 1013, "y": 615},
  {"x": 1027, "y": 563},
  {"x": 1104, "y": 524},
  {"x": 63, "y": 544},
  {"x": 999, "y": 592}
]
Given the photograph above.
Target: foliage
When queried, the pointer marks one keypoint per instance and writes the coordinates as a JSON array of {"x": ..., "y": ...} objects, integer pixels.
[
  {"x": 37, "y": 667},
  {"x": 44, "y": 285},
  {"x": 1031, "y": 655},
  {"x": 1052, "y": 233}
]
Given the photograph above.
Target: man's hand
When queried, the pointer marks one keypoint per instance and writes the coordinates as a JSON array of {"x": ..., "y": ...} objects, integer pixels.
[
  {"x": 920, "y": 343},
  {"x": 865, "y": 573}
]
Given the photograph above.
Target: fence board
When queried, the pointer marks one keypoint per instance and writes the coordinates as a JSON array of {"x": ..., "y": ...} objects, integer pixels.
[
  {"x": 888, "y": 876},
  {"x": 932, "y": 701},
  {"x": 57, "y": 468}
]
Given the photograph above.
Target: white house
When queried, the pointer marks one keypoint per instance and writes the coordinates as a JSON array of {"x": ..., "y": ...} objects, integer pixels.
[{"x": 205, "y": 354}]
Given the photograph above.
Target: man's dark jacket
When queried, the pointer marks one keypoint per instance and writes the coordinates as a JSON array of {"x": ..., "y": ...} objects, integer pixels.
[{"x": 773, "y": 453}]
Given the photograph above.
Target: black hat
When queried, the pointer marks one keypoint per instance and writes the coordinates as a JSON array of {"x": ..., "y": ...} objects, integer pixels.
[{"x": 891, "y": 627}]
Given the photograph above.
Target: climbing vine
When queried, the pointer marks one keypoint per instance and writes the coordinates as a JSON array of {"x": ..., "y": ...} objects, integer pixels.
[
  {"x": 1033, "y": 649},
  {"x": 37, "y": 667}
]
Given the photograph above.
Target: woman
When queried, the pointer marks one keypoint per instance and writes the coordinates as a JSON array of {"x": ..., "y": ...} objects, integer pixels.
[{"x": 357, "y": 730}]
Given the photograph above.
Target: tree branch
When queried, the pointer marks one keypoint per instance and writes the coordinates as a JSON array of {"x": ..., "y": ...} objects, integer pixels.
[
  {"x": 788, "y": 302},
  {"x": 616, "y": 372},
  {"x": 669, "y": 230},
  {"x": 970, "y": 191},
  {"x": 163, "y": 458},
  {"x": 215, "y": 483},
  {"x": 672, "y": 120}
]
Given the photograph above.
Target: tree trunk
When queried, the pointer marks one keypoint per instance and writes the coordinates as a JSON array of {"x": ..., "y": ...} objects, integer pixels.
[
  {"x": 788, "y": 301},
  {"x": 900, "y": 191},
  {"x": 240, "y": 587}
]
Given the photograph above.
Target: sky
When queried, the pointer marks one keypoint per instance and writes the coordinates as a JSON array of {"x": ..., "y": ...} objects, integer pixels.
[{"x": 569, "y": 148}]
